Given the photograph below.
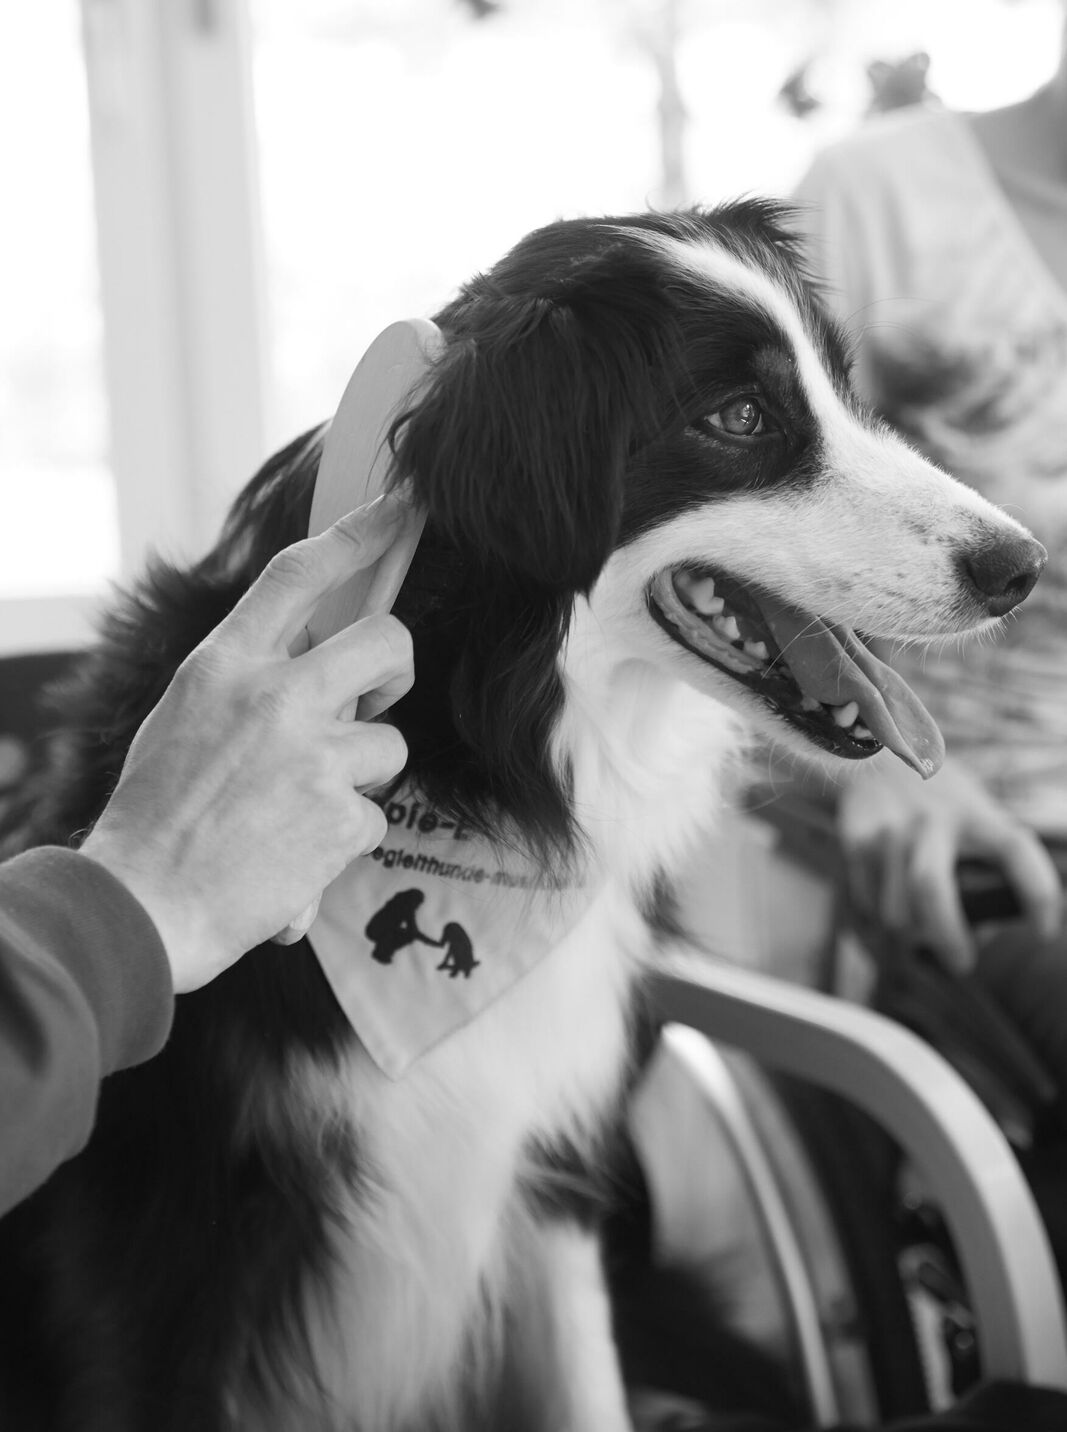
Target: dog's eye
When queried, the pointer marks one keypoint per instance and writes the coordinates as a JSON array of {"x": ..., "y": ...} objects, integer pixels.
[{"x": 741, "y": 418}]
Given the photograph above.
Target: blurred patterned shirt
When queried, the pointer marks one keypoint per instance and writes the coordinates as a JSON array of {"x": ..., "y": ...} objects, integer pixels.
[{"x": 961, "y": 333}]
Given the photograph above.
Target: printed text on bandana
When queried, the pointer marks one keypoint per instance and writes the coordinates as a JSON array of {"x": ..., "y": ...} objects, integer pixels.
[{"x": 428, "y": 930}]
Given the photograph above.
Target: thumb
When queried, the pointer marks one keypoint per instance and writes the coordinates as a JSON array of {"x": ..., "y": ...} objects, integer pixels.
[{"x": 274, "y": 611}]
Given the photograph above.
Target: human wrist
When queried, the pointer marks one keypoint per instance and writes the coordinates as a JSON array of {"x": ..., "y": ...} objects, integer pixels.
[
  {"x": 106, "y": 943},
  {"x": 186, "y": 935}
]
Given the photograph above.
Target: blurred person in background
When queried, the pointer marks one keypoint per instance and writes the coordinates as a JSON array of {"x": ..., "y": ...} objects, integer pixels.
[{"x": 941, "y": 238}]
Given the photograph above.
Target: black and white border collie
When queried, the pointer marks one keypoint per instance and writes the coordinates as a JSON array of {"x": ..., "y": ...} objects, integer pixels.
[{"x": 656, "y": 516}]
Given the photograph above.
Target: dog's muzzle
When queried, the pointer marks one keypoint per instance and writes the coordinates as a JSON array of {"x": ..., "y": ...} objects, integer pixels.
[{"x": 819, "y": 677}]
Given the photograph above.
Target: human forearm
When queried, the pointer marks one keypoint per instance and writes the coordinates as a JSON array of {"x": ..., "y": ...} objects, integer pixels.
[{"x": 85, "y": 990}]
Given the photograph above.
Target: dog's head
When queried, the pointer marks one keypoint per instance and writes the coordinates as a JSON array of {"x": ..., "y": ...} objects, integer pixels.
[{"x": 656, "y": 412}]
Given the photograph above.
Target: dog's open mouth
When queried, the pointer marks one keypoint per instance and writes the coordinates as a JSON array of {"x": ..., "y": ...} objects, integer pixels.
[{"x": 820, "y": 678}]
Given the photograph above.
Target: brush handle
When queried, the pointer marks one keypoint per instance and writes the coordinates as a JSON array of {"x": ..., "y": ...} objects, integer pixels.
[
  {"x": 354, "y": 470},
  {"x": 356, "y": 464}
]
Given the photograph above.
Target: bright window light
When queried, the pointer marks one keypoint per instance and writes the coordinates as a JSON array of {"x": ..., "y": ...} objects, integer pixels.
[{"x": 59, "y": 527}]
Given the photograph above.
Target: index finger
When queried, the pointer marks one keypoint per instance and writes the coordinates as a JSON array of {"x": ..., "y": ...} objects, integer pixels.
[
  {"x": 369, "y": 662},
  {"x": 939, "y": 916},
  {"x": 278, "y": 606},
  {"x": 1033, "y": 876}
]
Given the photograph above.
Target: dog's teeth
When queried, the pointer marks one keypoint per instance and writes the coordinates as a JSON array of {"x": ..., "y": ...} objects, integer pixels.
[
  {"x": 702, "y": 597},
  {"x": 727, "y": 628},
  {"x": 845, "y": 715},
  {"x": 808, "y": 703},
  {"x": 757, "y": 649},
  {"x": 862, "y": 732}
]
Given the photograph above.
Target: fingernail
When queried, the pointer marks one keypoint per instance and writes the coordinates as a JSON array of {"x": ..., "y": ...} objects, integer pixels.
[
  {"x": 371, "y": 518},
  {"x": 386, "y": 507},
  {"x": 358, "y": 513}
]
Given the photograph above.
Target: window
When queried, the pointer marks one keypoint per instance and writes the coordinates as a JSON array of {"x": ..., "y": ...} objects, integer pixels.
[
  {"x": 161, "y": 136},
  {"x": 59, "y": 537},
  {"x": 274, "y": 182},
  {"x": 404, "y": 144}
]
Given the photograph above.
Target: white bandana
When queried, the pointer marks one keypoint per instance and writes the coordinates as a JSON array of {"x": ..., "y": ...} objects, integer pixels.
[{"x": 418, "y": 937}]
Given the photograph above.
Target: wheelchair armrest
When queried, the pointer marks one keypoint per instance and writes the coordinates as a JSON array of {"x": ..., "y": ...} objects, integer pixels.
[{"x": 935, "y": 1118}]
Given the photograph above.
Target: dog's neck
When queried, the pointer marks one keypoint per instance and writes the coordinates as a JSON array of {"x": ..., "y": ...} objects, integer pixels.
[
  {"x": 487, "y": 697},
  {"x": 578, "y": 739},
  {"x": 649, "y": 757}
]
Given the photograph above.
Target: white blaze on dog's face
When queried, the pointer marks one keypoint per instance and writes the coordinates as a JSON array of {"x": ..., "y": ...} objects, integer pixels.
[{"x": 779, "y": 528}]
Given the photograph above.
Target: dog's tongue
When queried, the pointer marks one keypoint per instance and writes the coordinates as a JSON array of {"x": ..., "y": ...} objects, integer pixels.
[{"x": 832, "y": 665}]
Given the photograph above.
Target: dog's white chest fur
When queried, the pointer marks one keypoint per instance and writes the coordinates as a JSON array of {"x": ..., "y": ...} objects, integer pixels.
[
  {"x": 427, "y": 1246},
  {"x": 427, "y": 1238}
]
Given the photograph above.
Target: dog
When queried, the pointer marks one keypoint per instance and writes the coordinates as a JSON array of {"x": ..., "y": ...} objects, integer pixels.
[{"x": 657, "y": 518}]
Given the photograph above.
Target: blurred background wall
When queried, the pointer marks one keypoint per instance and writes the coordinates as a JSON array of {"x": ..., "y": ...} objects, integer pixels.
[{"x": 211, "y": 206}]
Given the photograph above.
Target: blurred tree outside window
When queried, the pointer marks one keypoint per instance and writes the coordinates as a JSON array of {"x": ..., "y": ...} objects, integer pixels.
[{"x": 404, "y": 144}]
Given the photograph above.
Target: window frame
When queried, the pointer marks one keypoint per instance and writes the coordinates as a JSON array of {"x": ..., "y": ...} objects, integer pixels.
[{"x": 182, "y": 284}]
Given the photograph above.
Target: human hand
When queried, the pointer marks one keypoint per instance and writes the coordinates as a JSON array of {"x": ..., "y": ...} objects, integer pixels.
[
  {"x": 240, "y": 798},
  {"x": 902, "y": 838}
]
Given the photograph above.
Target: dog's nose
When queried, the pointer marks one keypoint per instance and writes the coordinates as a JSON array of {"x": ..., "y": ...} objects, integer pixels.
[{"x": 1003, "y": 572}]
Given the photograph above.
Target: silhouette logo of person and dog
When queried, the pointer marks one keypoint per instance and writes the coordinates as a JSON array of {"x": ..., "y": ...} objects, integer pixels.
[{"x": 393, "y": 928}]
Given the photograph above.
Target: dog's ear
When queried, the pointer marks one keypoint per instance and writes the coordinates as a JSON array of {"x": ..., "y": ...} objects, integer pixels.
[{"x": 519, "y": 445}]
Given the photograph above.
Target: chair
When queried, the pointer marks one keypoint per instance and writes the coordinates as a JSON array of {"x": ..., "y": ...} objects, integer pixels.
[
  {"x": 861, "y": 1067},
  {"x": 739, "y": 1040},
  {"x": 931, "y": 1114}
]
